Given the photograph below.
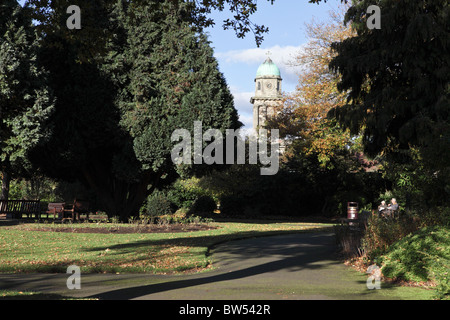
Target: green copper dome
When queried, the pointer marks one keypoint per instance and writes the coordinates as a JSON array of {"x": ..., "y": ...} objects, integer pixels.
[{"x": 268, "y": 68}]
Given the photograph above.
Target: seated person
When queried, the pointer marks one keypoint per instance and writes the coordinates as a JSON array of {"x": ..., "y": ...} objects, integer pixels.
[
  {"x": 394, "y": 205},
  {"x": 392, "y": 208},
  {"x": 382, "y": 207}
]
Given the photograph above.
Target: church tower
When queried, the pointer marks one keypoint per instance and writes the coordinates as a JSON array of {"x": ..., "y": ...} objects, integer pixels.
[{"x": 267, "y": 93}]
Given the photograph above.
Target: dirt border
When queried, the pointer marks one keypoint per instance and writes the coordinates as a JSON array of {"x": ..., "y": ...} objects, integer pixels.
[{"x": 171, "y": 228}]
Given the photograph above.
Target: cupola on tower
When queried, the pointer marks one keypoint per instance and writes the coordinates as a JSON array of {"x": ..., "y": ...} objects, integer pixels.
[{"x": 267, "y": 93}]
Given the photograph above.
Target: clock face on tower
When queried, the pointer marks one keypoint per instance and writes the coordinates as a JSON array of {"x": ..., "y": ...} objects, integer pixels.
[{"x": 269, "y": 86}]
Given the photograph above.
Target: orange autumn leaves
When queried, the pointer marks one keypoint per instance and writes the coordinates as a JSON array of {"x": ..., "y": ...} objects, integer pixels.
[{"x": 302, "y": 118}]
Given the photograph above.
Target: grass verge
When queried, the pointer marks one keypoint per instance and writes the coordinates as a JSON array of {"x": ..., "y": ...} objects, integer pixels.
[
  {"x": 411, "y": 250},
  {"x": 423, "y": 256}
]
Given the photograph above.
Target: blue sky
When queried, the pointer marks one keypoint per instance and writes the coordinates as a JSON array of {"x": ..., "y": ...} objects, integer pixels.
[{"x": 239, "y": 58}]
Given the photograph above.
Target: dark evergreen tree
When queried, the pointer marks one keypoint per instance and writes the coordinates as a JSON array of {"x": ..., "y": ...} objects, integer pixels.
[
  {"x": 398, "y": 79},
  {"x": 398, "y": 76},
  {"x": 117, "y": 109},
  {"x": 25, "y": 98}
]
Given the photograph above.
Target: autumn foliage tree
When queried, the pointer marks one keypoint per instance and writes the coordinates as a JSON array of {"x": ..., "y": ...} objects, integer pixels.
[
  {"x": 319, "y": 150},
  {"x": 303, "y": 115}
]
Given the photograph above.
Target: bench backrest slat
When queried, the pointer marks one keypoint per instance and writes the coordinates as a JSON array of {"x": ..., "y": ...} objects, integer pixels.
[
  {"x": 19, "y": 206},
  {"x": 56, "y": 205}
]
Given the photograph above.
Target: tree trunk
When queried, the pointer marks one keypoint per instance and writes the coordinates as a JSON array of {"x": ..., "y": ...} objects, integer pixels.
[
  {"x": 6, "y": 179},
  {"x": 126, "y": 202}
]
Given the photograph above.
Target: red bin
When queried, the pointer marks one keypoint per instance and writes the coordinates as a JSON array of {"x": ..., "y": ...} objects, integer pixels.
[{"x": 352, "y": 210}]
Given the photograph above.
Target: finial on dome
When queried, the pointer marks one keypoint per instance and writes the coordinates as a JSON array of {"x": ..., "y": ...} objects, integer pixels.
[{"x": 268, "y": 53}]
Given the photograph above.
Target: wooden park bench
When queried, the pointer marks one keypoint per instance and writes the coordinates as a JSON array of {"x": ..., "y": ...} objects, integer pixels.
[
  {"x": 389, "y": 213},
  {"x": 74, "y": 210},
  {"x": 15, "y": 209},
  {"x": 55, "y": 208}
]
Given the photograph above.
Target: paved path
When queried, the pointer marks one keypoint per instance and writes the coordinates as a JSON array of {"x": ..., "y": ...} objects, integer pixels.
[{"x": 297, "y": 266}]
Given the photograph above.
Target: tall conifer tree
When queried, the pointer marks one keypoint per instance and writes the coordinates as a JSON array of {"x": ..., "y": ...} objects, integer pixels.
[
  {"x": 118, "y": 108},
  {"x": 398, "y": 75},
  {"x": 25, "y": 98}
]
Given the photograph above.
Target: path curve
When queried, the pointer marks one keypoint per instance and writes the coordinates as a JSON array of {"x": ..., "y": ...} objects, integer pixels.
[{"x": 295, "y": 266}]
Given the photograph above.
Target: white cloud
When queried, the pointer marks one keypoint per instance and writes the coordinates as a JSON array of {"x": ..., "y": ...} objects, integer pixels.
[
  {"x": 281, "y": 56},
  {"x": 243, "y": 105},
  {"x": 246, "y": 119},
  {"x": 242, "y": 99}
]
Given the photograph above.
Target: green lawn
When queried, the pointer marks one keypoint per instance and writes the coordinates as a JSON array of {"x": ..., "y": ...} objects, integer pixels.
[
  {"x": 23, "y": 249},
  {"x": 27, "y": 295}
]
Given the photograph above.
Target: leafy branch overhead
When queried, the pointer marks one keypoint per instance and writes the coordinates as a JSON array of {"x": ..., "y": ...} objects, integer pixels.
[
  {"x": 200, "y": 11},
  {"x": 240, "y": 22}
]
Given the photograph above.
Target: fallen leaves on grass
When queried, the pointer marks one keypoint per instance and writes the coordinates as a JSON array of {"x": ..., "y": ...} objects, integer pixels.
[{"x": 22, "y": 249}]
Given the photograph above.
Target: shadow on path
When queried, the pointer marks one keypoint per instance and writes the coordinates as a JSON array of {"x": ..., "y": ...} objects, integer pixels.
[{"x": 247, "y": 258}]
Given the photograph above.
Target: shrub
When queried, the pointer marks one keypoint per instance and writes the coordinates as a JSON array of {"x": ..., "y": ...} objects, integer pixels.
[
  {"x": 436, "y": 216},
  {"x": 231, "y": 206},
  {"x": 184, "y": 193},
  {"x": 413, "y": 247},
  {"x": 157, "y": 205},
  {"x": 204, "y": 205},
  {"x": 347, "y": 240},
  {"x": 421, "y": 256},
  {"x": 381, "y": 233}
]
